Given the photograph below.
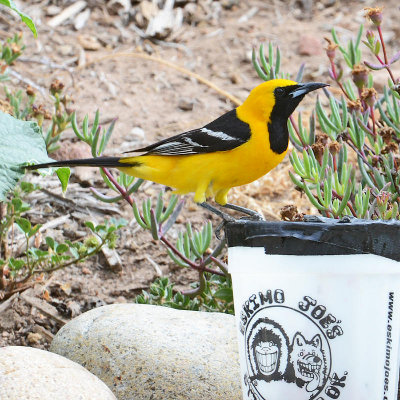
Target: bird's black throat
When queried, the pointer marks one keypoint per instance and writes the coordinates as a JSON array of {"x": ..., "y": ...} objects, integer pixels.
[
  {"x": 277, "y": 125},
  {"x": 278, "y": 134}
]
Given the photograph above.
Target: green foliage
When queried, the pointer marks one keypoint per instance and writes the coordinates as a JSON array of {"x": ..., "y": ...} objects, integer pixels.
[
  {"x": 217, "y": 296},
  {"x": 20, "y": 142},
  {"x": 346, "y": 155},
  {"x": 10, "y": 50},
  {"x": 25, "y": 18},
  {"x": 351, "y": 54}
]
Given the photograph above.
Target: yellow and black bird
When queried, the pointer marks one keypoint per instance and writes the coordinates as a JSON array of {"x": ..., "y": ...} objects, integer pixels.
[{"x": 235, "y": 149}]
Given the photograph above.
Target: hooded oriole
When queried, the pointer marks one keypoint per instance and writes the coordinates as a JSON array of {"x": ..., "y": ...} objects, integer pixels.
[{"x": 235, "y": 149}]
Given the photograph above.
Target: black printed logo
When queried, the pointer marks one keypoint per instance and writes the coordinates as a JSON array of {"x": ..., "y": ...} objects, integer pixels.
[{"x": 288, "y": 350}]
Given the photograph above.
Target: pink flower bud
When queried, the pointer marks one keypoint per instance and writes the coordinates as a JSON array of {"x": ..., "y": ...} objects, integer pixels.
[
  {"x": 374, "y": 14},
  {"x": 360, "y": 76}
]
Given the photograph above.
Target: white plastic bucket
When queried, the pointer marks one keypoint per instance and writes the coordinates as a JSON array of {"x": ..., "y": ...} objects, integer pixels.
[{"x": 316, "y": 327}]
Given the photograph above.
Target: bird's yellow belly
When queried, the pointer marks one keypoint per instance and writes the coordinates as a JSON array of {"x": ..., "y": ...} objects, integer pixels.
[{"x": 207, "y": 174}]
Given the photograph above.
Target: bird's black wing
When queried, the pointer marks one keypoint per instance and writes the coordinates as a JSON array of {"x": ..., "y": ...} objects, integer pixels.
[{"x": 225, "y": 133}]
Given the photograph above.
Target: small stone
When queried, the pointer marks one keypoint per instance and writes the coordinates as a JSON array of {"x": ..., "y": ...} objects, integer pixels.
[
  {"x": 89, "y": 42},
  {"x": 53, "y": 10},
  {"x": 28, "y": 373},
  {"x": 235, "y": 78},
  {"x": 151, "y": 352},
  {"x": 228, "y": 4},
  {"x": 115, "y": 7},
  {"x": 186, "y": 104},
  {"x": 34, "y": 338},
  {"x": 309, "y": 46},
  {"x": 81, "y": 19},
  {"x": 66, "y": 50},
  {"x": 148, "y": 10},
  {"x": 138, "y": 132}
]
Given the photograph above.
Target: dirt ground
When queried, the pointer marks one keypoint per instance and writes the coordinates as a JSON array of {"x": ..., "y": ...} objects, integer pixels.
[{"x": 151, "y": 100}]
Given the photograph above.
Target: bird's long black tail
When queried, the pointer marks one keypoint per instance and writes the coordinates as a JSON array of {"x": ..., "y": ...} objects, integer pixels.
[{"x": 87, "y": 162}]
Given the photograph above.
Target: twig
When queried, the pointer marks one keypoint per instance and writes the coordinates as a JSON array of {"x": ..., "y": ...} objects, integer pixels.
[
  {"x": 67, "y": 13},
  {"x": 6, "y": 304},
  {"x": 44, "y": 307},
  {"x": 155, "y": 265},
  {"x": 18, "y": 290}
]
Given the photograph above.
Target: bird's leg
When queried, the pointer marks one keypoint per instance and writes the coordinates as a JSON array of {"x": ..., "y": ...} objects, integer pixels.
[
  {"x": 216, "y": 211},
  {"x": 225, "y": 218},
  {"x": 254, "y": 214}
]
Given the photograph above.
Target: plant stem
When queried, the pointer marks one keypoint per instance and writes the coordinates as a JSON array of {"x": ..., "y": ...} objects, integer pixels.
[
  {"x": 27, "y": 255},
  {"x": 74, "y": 261},
  {"x": 383, "y": 44},
  {"x": 296, "y": 129},
  {"x": 338, "y": 196},
  {"x": 117, "y": 186},
  {"x": 192, "y": 293},
  {"x": 335, "y": 75},
  {"x": 385, "y": 55},
  {"x": 221, "y": 265},
  {"x": 371, "y": 110},
  {"x": 362, "y": 156},
  {"x": 195, "y": 266}
]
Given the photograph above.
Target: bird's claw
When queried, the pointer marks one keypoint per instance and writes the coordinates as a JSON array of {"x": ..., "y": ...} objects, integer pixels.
[
  {"x": 226, "y": 220},
  {"x": 254, "y": 217}
]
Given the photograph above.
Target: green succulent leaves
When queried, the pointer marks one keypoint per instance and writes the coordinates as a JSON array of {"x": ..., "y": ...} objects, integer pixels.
[{"x": 25, "y": 18}]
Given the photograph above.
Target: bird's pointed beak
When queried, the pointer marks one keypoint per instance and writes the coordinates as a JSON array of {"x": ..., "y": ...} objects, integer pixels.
[{"x": 304, "y": 88}]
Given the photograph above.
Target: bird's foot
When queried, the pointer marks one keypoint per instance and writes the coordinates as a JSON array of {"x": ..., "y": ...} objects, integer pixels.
[
  {"x": 254, "y": 215},
  {"x": 226, "y": 218}
]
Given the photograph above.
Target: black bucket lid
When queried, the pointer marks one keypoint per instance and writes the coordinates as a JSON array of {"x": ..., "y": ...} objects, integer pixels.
[{"x": 318, "y": 236}]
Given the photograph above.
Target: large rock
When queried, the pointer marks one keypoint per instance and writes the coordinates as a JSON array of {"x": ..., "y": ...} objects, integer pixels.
[
  {"x": 150, "y": 352},
  {"x": 28, "y": 373}
]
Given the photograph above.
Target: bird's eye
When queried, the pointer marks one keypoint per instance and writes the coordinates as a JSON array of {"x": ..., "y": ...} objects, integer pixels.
[{"x": 279, "y": 91}]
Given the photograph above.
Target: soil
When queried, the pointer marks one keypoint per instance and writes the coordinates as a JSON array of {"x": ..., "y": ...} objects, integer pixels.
[{"x": 151, "y": 101}]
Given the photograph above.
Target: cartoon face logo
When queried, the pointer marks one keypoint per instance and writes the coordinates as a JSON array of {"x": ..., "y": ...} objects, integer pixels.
[
  {"x": 308, "y": 361},
  {"x": 268, "y": 347},
  {"x": 267, "y": 354}
]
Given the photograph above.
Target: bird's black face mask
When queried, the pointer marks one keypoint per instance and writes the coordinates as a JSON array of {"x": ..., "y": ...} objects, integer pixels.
[{"x": 287, "y": 98}]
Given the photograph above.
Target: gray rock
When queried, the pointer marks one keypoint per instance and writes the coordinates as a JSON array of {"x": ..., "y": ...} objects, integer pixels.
[
  {"x": 150, "y": 352},
  {"x": 28, "y": 373},
  {"x": 186, "y": 104}
]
